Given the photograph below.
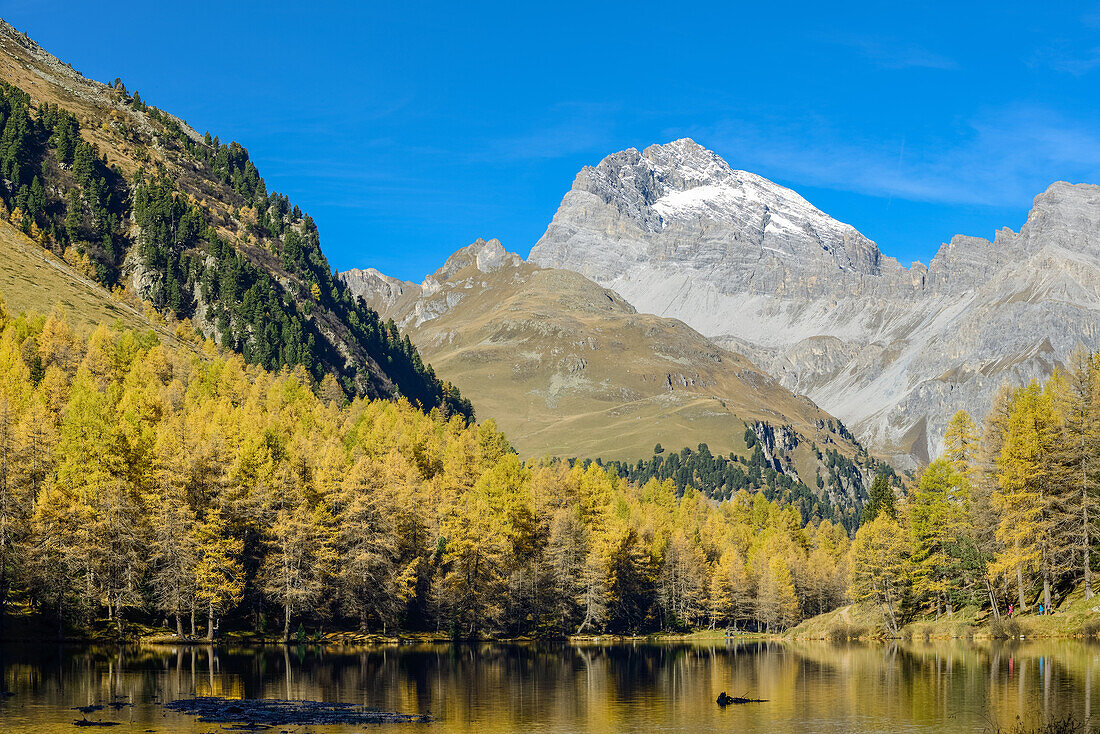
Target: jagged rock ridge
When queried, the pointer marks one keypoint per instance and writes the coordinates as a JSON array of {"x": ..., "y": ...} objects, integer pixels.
[{"x": 893, "y": 351}]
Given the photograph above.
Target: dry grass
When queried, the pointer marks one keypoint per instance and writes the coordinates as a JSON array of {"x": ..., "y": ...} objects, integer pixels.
[
  {"x": 34, "y": 280},
  {"x": 962, "y": 623},
  {"x": 1003, "y": 629},
  {"x": 853, "y": 622},
  {"x": 568, "y": 369},
  {"x": 1074, "y": 617}
]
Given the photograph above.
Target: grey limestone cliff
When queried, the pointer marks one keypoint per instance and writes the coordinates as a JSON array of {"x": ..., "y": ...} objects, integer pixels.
[{"x": 893, "y": 351}]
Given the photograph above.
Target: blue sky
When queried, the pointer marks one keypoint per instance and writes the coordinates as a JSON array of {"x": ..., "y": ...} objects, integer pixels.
[{"x": 410, "y": 129}]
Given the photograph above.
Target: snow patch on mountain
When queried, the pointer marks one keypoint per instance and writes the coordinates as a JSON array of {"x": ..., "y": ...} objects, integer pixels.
[{"x": 893, "y": 351}]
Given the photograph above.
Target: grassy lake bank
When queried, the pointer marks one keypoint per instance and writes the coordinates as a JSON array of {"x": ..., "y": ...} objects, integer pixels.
[{"x": 1074, "y": 616}]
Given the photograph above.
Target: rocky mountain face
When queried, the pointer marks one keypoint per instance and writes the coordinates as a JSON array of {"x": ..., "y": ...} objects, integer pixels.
[
  {"x": 893, "y": 351},
  {"x": 568, "y": 368}
]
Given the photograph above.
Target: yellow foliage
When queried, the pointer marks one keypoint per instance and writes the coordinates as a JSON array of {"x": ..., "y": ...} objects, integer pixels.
[
  {"x": 362, "y": 509},
  {"x": 80, "y": 262}
]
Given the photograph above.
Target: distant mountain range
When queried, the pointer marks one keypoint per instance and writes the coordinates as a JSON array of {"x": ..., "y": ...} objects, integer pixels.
[
  {"x": 786, "y": 290},
  {"x": 893, "y": 351}
]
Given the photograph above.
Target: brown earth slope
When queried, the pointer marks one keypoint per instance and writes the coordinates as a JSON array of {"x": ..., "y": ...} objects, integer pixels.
[{"x": 568, "y": 368}]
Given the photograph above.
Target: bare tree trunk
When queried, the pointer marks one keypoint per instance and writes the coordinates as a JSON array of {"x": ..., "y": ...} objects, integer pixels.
[
  {"x": 992, "y": 600},
  {"x": 210, "y": 622},
  {"x": 3, "y": 600},
  {"x": 1088, "y": 574},
  {"x": 1087, "y": 539},
  {"x": 887, "y": 609},
  {"x": 1046, "y": 579},
  {"x": 286, "y": 622}
]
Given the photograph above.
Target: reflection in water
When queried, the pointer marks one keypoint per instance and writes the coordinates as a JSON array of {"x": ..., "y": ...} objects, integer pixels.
[{"x": 945, "y": 686}]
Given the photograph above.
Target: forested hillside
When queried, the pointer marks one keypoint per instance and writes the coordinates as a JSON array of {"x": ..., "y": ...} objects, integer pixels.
[
  {"x": 143, "y": 483},
  {"x": 721, "y": 477},
  {"x": 135, "y": 199},
  {"x": 1008, "y": 516}
]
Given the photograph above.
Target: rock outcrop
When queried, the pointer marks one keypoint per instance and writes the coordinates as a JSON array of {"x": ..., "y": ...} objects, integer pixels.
[{"x": 893, "y": 351}]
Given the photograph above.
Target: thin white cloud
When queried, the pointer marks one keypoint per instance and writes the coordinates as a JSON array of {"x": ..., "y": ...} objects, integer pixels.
[
  {"x": 1061, "y": 57},
  {"x": 893, "y": 53},
  {"x": 570, "y": 128},
  {"x": 1002, "y": 158}
]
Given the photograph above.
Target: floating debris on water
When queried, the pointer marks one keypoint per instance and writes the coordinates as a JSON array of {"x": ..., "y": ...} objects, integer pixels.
[
  {"x": 725, "y": 700},
  {"x": 258, "y": 714},
  {"x": 85, "y": 722}
]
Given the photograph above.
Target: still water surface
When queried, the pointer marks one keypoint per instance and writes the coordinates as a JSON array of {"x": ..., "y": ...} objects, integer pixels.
[{"x": 667, "y": 687}]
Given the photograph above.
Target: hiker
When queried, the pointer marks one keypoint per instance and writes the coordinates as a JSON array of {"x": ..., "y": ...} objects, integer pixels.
[
  {"x": 1010, "y": 608},
  {"x": 1040, "y": 610}
]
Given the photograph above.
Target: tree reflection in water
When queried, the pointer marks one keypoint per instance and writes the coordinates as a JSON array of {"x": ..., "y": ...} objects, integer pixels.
[{"x": 551, "y": 687}]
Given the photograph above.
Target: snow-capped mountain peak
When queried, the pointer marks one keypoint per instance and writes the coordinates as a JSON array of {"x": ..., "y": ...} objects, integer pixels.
[
  {"x": 893, "y": 351},
  {"x": 705, "y": 210}
]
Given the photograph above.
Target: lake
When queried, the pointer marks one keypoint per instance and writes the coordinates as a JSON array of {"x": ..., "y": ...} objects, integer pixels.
[{"x": 952, "y": 686}]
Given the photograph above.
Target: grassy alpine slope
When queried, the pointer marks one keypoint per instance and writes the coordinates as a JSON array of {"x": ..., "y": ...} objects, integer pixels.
[
  {"x": 569, "y": 369},
  {"x": 131, "y": 197},
  {"x": 34, "y": 279},
  {"x": 1074, "y": 616}
]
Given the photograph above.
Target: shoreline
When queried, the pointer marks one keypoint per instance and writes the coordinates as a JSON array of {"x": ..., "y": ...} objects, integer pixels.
[
  {"x": 344, "y": 638},
  {"x": 854, "y": 622},
  {"x": 1075, "y": 618},
  {"x": 914, "y": 632}
]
